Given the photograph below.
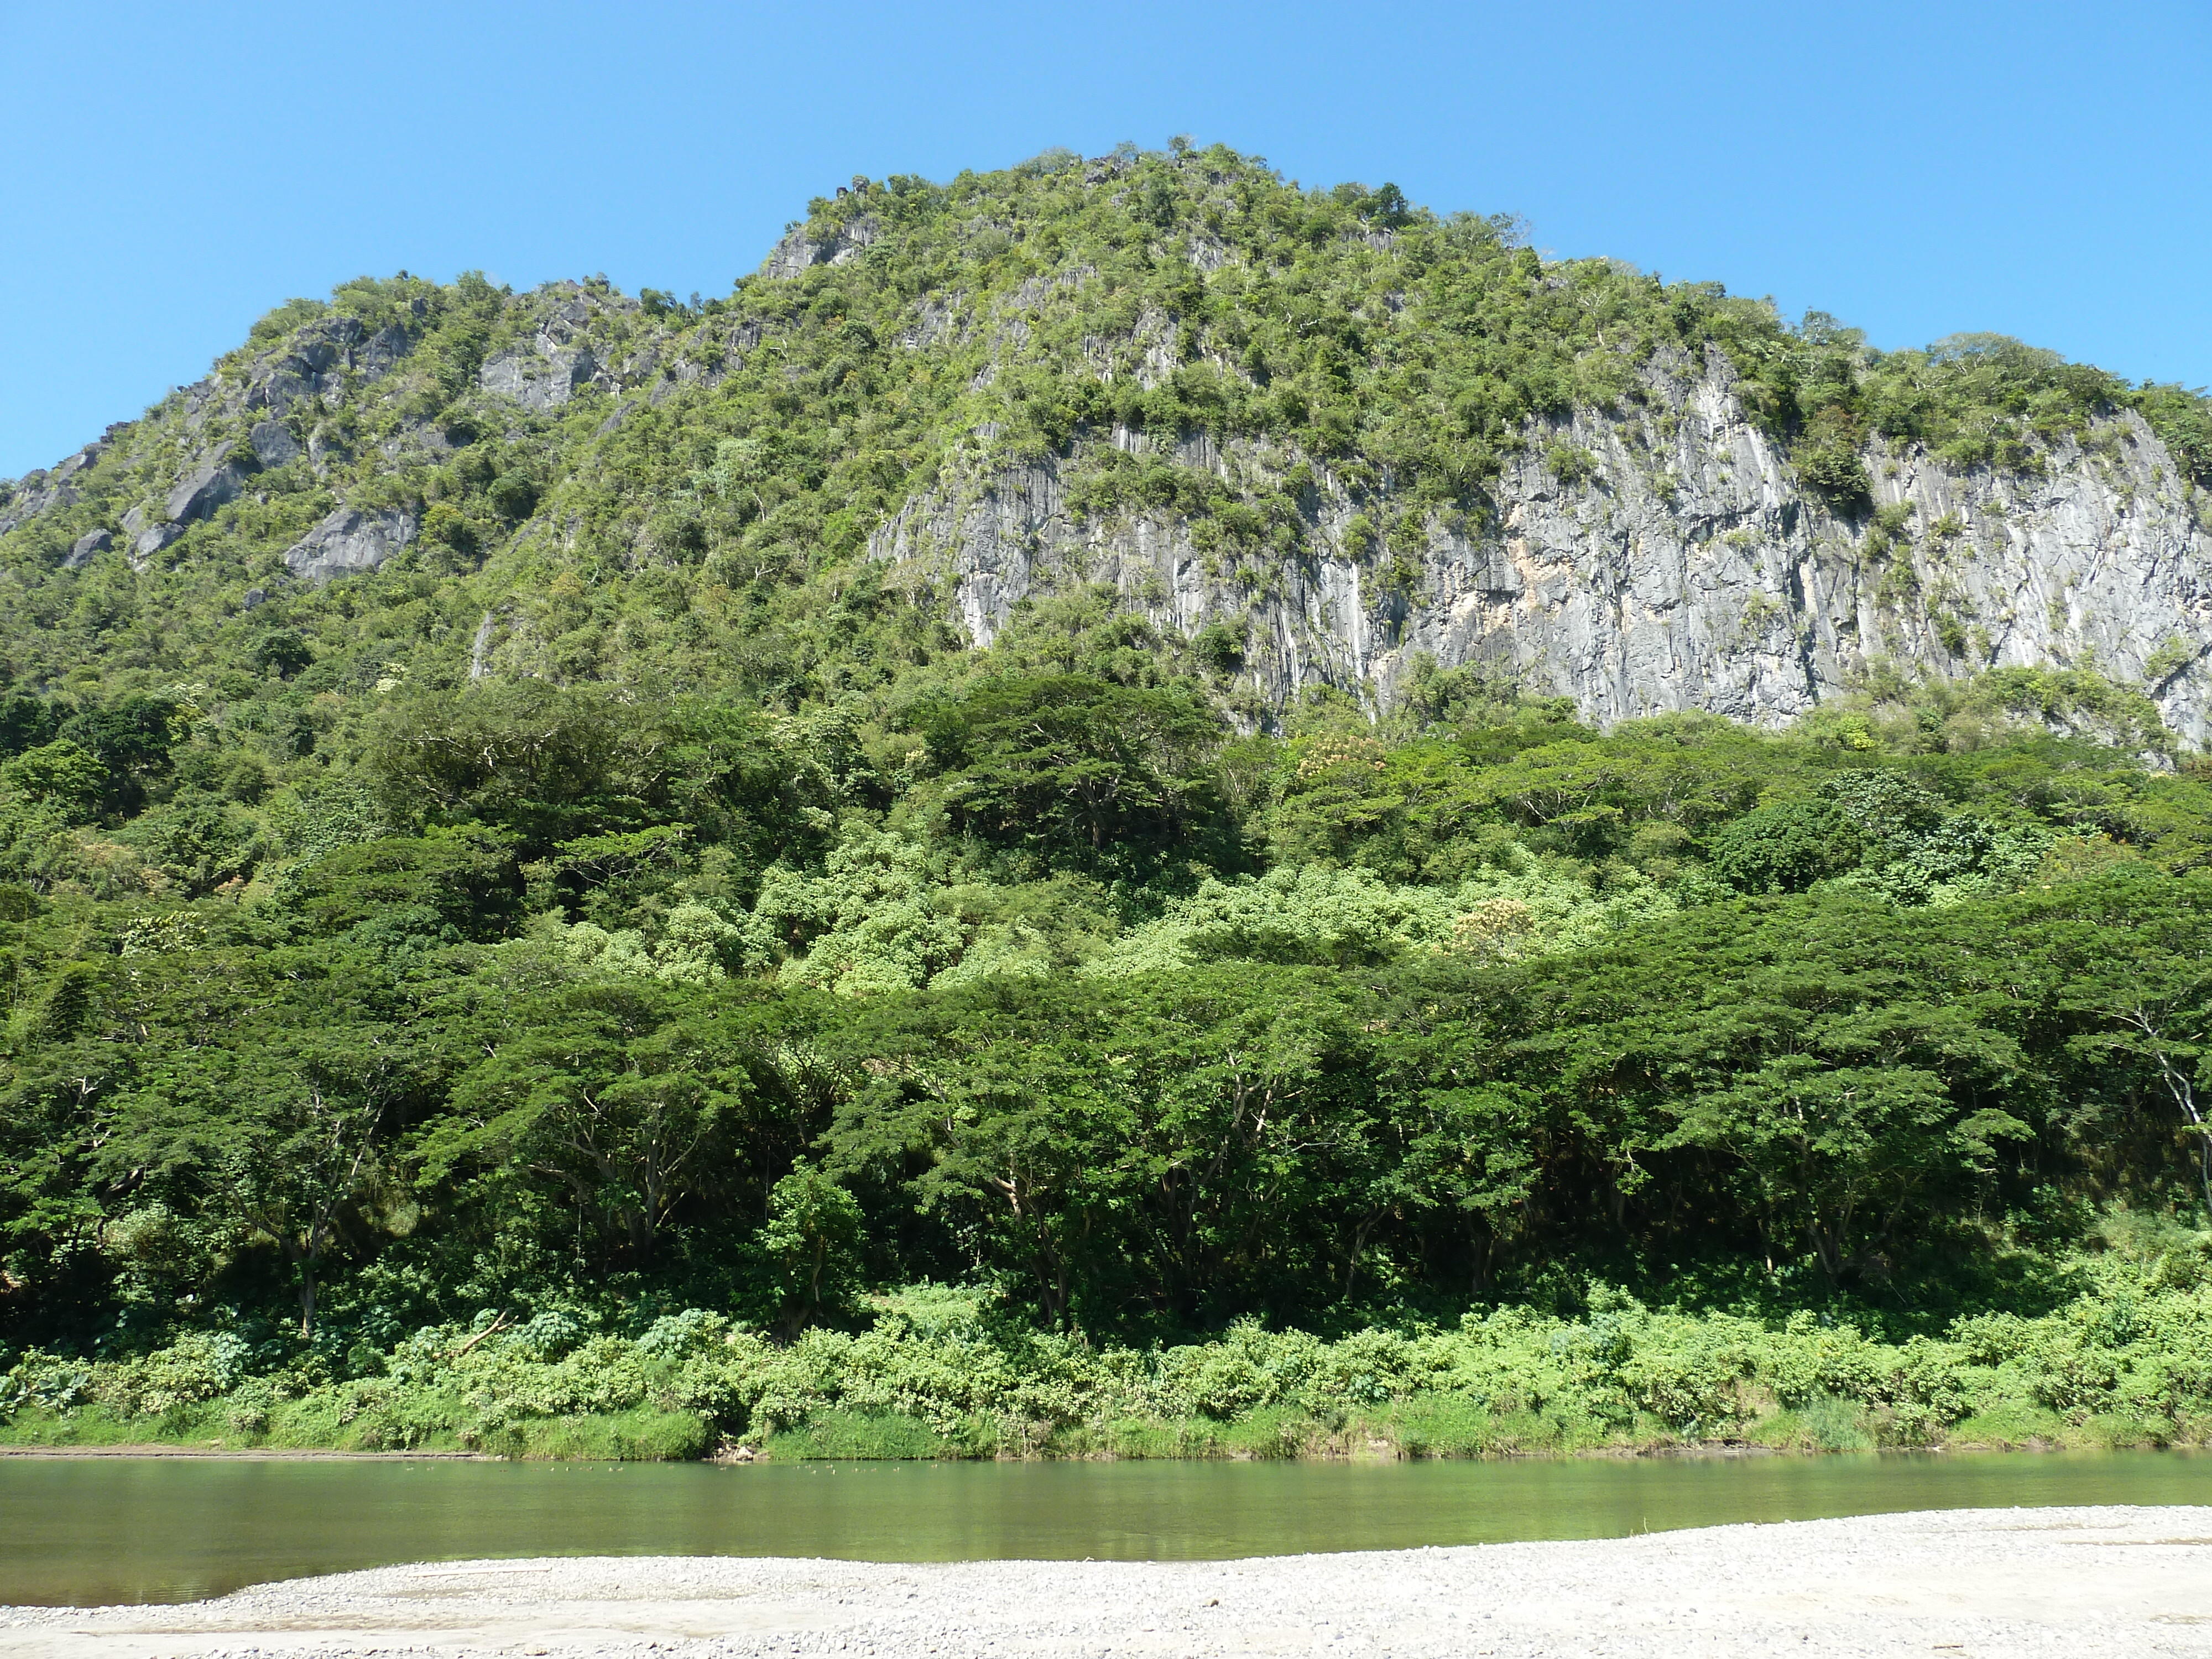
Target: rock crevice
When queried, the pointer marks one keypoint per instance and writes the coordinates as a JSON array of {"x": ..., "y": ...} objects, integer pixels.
[{"x": 1677, "y": 565}]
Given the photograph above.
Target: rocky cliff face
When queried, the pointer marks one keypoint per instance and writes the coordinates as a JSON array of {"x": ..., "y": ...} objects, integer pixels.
[
  {"x": 1658, "y": 550},
  {"x": 317, "y": 395},
  {"x": 1639, "y": 563}
]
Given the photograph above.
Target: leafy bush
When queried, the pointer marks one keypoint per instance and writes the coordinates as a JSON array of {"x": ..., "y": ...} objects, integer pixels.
[{"x": 2126, "y": 1360}]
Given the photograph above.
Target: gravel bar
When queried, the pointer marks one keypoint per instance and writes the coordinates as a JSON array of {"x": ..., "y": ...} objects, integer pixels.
[{"x": 2078, "y": 1583}]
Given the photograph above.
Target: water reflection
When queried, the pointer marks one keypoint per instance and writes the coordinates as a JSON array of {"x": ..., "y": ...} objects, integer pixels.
[{"x": 126, "y": 1529}]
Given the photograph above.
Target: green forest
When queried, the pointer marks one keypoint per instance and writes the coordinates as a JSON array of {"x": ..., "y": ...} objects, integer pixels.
[{"x": 736, "y": 1011}]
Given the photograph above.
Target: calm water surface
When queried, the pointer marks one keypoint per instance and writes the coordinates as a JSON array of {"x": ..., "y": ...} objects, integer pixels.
[{"x": 81, "y": 1532}]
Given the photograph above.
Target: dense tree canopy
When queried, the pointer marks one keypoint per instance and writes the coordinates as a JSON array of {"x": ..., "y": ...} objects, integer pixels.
[{"x": 730, "y": 935}]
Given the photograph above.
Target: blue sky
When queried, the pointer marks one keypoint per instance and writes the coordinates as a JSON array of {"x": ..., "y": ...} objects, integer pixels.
[{"x": 168, "y": 173}]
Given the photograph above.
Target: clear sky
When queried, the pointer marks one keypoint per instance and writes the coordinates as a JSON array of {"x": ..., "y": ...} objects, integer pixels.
[{"x": 167, "y": 173}]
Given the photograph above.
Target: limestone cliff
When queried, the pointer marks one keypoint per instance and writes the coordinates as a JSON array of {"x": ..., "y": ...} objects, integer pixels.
[
  {"x": 1678, "y": 565},
  {"x": 1332, "y": 433}
]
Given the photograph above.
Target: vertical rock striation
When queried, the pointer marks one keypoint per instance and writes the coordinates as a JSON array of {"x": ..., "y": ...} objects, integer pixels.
[{"x": 1660, "y": 559}]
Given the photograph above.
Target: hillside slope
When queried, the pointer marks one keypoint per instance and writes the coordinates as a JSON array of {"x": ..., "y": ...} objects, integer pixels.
[
  {"x": 1320, "y": 434},
  {"x": 1102, "y": 766}
]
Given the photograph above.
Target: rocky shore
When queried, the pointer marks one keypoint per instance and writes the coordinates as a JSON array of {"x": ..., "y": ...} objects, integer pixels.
[{"x": 2076, "y": 1582}]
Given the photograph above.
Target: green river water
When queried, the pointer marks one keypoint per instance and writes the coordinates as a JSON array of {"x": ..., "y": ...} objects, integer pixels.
[{"x": 86, "y": 1531}]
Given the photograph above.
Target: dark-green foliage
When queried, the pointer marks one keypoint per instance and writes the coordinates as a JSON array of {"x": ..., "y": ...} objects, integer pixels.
[
  {"x": 1079, "y": 768},
  {"x": 450, "y": 946}
]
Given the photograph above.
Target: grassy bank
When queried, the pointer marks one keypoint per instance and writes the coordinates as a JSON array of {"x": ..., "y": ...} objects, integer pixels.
[
  {"x": 1461, "y": 1429},
  {"x": 1414, "y": 1429},
  {"x": 2124, "y": 1359},
  {"x": 642, "y": 1434}
]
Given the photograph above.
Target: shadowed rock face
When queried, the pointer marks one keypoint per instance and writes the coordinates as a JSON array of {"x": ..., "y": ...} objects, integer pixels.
[
  {"x": 273, "y": 443},
  {"x": 36, "y": 495},
  {"x": 348, "y": 542},
  {"x": 204, "y": 489},
  {"x": 1685, "y": 570}
]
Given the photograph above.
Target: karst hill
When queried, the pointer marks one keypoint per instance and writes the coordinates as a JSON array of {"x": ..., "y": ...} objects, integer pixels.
[
  {"x": 1308, "y": 437},
  {"x": 1117, "y": 807}
]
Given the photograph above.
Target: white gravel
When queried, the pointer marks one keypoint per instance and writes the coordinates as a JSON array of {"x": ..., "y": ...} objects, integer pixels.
[{"x": 2079, "y": 1584}]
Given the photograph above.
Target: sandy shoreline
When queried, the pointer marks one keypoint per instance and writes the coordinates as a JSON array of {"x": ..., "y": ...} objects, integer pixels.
[{"x": 2083, "y": 1583}]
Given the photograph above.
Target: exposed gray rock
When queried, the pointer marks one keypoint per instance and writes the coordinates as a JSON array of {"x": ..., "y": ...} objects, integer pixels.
[
  {"x": 278, "y": 387},
  {"x": 563, "y": 354},
  {"x": 273, "y": 443},
  {"x": 254, "y": 598},
  {"x": 381, "y": 353},
  {"x": 151, "y": 541},
  {"x": 1687, "y": 571},
  {"x": 80, "y": 554},
  {"x": 935, "y": 322},
  {"x": 564, "y": 323},
  {"x": 204, "y": 489},
  {"x": 197, "y": 400},
  {"x": 797, "y": 253},
  {"x": 41, "y": 492},
  {"x": 794, "y": 254},
  {"x": 479, "y": 647},
  {"x": 415, "y": 443},
  {"x": 201, "y": 490},
  {"x": 327, "y": 342},
  {"x": 538, "y": 376},
  {"x": 313, "y": 368},
  {"x": 348, "y": 542}
]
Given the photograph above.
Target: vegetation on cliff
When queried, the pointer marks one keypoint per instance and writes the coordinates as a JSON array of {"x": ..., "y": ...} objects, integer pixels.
[{"x": 627, "y": 956}]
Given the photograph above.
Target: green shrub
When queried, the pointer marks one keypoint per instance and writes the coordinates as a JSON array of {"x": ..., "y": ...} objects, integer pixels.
[{"x": 2126, "y": 1360}]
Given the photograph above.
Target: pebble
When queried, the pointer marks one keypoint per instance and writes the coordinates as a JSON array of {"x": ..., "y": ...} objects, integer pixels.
[{"x": 2071, "y": 1583}]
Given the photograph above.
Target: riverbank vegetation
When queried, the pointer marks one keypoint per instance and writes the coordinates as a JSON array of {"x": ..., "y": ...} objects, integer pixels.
[
  {"x": 1569, "y": 1089},
  {"x": 656, "y": 985},
  {"x": 2122, "y": 1359}
]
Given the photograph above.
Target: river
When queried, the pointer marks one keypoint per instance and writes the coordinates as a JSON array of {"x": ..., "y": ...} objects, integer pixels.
[{"x": 86, "y": 1531}]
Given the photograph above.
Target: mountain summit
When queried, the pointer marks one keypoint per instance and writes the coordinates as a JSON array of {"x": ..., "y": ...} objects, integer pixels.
[{"x": 1314, "y": 437}]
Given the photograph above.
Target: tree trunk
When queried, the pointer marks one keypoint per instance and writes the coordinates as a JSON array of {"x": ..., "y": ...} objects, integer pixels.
[
  {"x": 303, "y": 1263},
  {"x": 2183, "y": 1092},
  {"x": 1828, "y": 1246},
  {"x": 1484, "y": 1249}
]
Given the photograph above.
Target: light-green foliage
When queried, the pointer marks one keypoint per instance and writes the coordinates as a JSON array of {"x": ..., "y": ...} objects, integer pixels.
[
  {"x": 694, "y": 943},
  {"x": 2127, "y": 1360},
  {"x": 869, "y": 922},
  {"x": 1317, "y": 913}
]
